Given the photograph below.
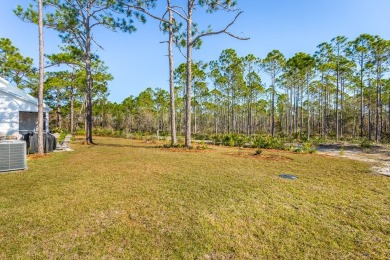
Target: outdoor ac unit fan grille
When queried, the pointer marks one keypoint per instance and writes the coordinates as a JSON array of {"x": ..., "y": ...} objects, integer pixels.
[{"x": 12, "y": 155}]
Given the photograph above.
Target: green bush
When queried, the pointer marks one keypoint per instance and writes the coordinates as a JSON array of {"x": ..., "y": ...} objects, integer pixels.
[
  {"x": 201, "y": 136},
  {"x": 258, "y": 152},
  {"x": 217, "y": 138},
  {"x": 308, "y": 148},
  {"x": 365, "y": 143},
  {"x": 80, "y": 132},
  {"x": 256, "y": 141},
  {"x": 268, "y": 142},
  {"x": 173, "y": 146},
  {"x": 202, "y": 147},
  {"x": 59, "y": 130},
  {"x": 230, "y": 139}
]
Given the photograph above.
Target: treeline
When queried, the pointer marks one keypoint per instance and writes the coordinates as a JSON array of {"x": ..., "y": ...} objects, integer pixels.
[{"x": 341, "y": 91}]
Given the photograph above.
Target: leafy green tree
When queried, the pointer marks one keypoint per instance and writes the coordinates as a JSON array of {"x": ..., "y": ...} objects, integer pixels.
[
  {"x": 72, "y": 58},
  {"x": 299, "y": 68},
  {"x": 14, "y": 67},
  {"x": 307, "y": 69},
  {"x": 380, "y": 52},
  {"x": 359, "y": 52},
  {"x": 273, "y": 64},
  {"x": 199, "y": 90},
  {"x": 253, "y": 86},
  {"x": 146, "y": 111},
  {"x": 228, "y": 73},
  {"x": 55, "y": 92},
  {"x": 199, "y": 86},
  {"x": 214, "y": 106},
  {"x": 339, "y": 46},
  {"x": 161, "y": 100},
  {"x": 323, "y": 58}
]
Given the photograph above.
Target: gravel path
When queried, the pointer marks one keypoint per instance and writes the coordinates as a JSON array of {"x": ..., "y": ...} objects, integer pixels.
[{"x": 377, "y": 156}]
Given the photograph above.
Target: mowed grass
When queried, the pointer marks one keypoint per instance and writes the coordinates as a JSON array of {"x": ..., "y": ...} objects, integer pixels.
[{"x": 128, "y": 199}]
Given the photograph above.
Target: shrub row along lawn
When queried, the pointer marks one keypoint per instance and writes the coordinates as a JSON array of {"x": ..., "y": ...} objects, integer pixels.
[{"x": 130, "y": 199}]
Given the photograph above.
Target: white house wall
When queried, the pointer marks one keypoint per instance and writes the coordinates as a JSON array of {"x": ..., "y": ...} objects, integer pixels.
[
  {"x": 9, "y": 113},
  {"x": 13, "y": 101}
]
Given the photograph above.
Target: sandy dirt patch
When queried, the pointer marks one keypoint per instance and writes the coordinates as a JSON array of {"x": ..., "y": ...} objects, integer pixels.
[{"x": 377, "y": 156}]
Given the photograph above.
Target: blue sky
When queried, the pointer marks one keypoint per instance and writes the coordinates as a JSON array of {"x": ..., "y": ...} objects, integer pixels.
[{"x": 138, "y": 60}]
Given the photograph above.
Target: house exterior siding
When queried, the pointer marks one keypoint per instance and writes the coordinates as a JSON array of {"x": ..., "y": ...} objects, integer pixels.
[{"x": 12, "y": 101}]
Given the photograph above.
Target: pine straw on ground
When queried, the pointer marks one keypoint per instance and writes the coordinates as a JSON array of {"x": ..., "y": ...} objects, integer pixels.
[{"x": 129, "y": 199}]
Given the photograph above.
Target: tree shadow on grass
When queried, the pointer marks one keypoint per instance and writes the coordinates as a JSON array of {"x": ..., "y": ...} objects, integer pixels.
[
  {"x": 80, "y": 141},
  {"x": 127, "y": 145}
]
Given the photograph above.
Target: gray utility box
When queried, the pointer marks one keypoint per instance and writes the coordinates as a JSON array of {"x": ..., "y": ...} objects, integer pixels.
[{"x": 12, "y": 155}]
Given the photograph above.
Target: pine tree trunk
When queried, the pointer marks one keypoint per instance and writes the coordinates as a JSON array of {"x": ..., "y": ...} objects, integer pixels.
[
  {"x": 72, "y": 128},
  {"x": 361, "y": 103},
  {"x": 41, "y": 78},
  {"x": 189, "y": 79},
  {"x": 301, "y": 114},
  {"x": 326, "y": 111},
  {"x": 228, "y": 111},
  {"x": 341, "y": 107},
  {"x": 296, "y": 104},
  {"x": 273, "y": 107},
  {"x": 369, "y": 113},
  {"x": 377, "y": 111},
  {"x": 233, "y": 114},
  {"x": 59, "y": 125},
  {"x": 194, "y": 109},
  {"x": 321, "y": 110},
  {"x": 380, "y": 114},
  {"x": 88, "y": 118},
  {"x": 388, "y": 115},
  {"x": 337, "y": 106},
  {"x": 171, "y": 78},
  {"x": 308, "y": 109}
]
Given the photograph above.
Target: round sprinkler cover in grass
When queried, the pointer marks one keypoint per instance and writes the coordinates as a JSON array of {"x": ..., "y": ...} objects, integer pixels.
[{"x": 288, "y": 176}]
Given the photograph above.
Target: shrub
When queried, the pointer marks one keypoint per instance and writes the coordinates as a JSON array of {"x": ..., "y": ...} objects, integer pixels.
[
  {"x": 80, "y": 132},
  {"x": 258, "y": 152},
  {"x": 268, "y": 142},
  {"x": 180, "y": 139},
  {"x": 217, "y": 139},
  {"x": 173, "y": 146},
  {"x": 201, "y": 136},
  {"x": 290, "y": 147},
  {"x": 59, "y": 130},
  {"x": 308, "y": 148},
  {"x": 202, "y": 147},
  {"x": 365, "y": 143},
  {"x": 298, "y": 150},
  {"x": 230, "y": 141}
]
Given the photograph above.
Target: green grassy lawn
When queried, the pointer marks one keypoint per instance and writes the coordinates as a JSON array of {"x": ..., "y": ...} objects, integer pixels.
[{"x": 128, "y": 199}]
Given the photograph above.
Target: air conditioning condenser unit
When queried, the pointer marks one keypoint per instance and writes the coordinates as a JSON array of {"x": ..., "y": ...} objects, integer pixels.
[{"x": 12, "y": 155}]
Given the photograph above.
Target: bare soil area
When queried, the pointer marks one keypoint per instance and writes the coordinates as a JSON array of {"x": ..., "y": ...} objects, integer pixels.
[{"x": 378, "y": 156}]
